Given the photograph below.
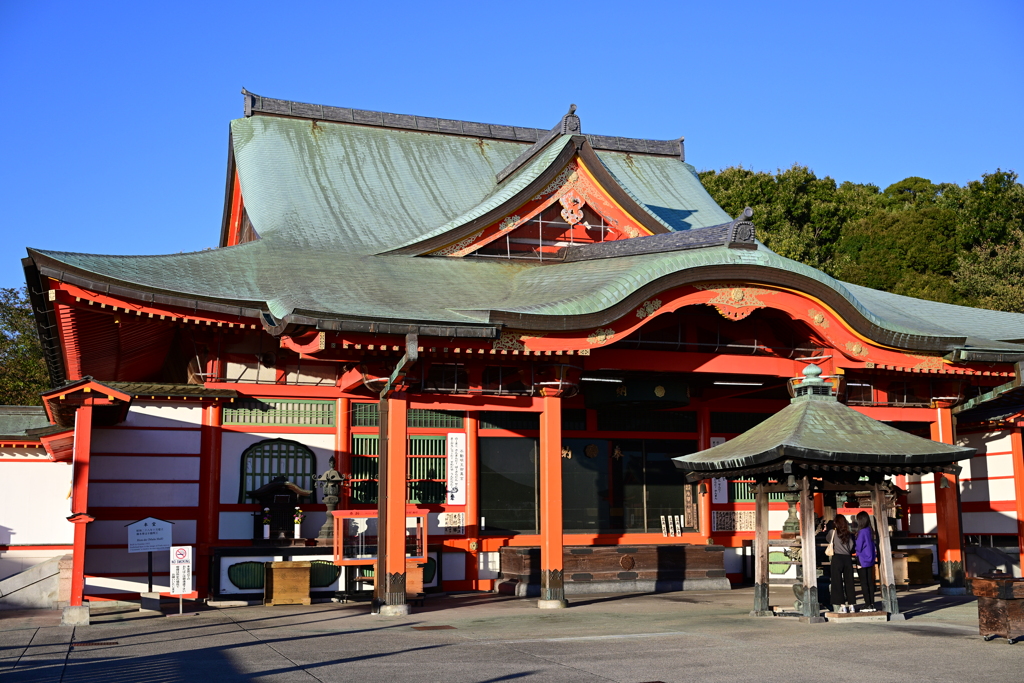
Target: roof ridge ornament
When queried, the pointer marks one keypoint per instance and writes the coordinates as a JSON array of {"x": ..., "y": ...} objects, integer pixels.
[
  {"x": 568, "y": 125},
  {"x": 742, "y": 230}
]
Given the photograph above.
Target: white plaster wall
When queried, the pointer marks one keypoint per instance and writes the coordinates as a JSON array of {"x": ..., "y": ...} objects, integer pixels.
[
  {"x": 114, "y": 560},
  {"x": 776, "y": 518},
  {"x": 924, "y": 523},
  {"x": 114, "y": 532},
  {"x": 143, "y": 414},
  {"x": 141, "y": 467},
  {"x": 734, "y": 560},
  {"x": 247, "y": 372},
  {"x": 488, "y": 566},
  {"x": 143, "y": 495},
  {"x": 20, "y": 453},
  {"x": 34, "y": 504},
  {"x": 16, "y": 561},
  {"x": 145, "y": 441},
  {"x": 453, "y": 566},
  {"x": 979, "y": 490},
  {"x": 309, "y": 373},
  {"x": 921, "y": 489},
  {"x": 100, "y": 585},
  {"x": 235, "y": 526},
  {"x": 992, "y": 522},
  {"x": 987, "y": 442},
  {"x": 988, "y": 466},
  {"x": 234, "y": 443}
]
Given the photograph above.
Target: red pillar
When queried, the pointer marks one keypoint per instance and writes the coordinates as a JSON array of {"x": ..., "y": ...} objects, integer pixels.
[
  {"x": 704, "y": 443},
  {"x": 1017, "y": 442},
  {"x": 552, "y": 591},
  {"x": 343, "y": 445},
  {"x": 472, "y": 496},
  {"x": 80, "y": 498},
  {"x": 947, "y": 513},
  {"x": 394, "y": 488},
  {"x": 208, "y": 525}
]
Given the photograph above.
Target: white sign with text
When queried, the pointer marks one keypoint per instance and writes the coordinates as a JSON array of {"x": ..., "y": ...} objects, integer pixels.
[
  {"x": 149, "y": 535},
  {"x": 456, "y": 469},
  {"x": 181, "y": 570}
]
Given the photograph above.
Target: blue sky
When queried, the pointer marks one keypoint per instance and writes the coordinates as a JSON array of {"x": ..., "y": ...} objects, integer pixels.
[{"x": 115, "y": 115}]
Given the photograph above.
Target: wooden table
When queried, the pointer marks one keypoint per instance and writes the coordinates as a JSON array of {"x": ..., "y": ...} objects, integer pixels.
[{"x": 1000, "y": 606}]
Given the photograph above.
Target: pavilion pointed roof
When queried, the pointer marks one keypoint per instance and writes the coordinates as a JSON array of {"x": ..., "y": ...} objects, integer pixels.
[{"x": 821, "y": 433}]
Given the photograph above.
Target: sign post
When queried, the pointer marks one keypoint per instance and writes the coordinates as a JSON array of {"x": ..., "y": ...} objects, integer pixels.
[
  {"x": 149, "y": 535},
  {"x": 181, "y": 573}
]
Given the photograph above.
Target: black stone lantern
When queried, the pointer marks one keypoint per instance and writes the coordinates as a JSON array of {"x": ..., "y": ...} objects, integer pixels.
[{"x": 278, "y": 498}]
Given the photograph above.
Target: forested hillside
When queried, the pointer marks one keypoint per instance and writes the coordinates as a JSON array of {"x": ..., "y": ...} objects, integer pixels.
[{"x": 961, "y": 245}]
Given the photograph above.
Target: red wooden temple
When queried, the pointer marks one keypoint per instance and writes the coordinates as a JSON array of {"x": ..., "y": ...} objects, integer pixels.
[{"x": 515, "y": 330}]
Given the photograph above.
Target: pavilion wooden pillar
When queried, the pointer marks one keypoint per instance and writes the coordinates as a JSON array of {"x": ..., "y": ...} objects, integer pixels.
[
  {"x": 389, "y": 575},
  {"x": 704, "y": 443},
  {"x": 343, "y": 445},
  {"x": 947, "y": 513},
  {"x": 552, "y": 591},
  {"x": 761, "y": 587},
  {"x": 808, "y": 554},
  {"x": 885, "y": 572}
]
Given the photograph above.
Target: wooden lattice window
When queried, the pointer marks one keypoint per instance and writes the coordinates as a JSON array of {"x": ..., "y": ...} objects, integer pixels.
[
  {"x": 264, "y": 461},
  {"x": 426, "y": 469},
  {"x": 283, "y": 412}
]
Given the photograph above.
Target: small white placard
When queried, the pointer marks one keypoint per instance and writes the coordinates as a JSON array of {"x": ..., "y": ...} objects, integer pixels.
[
  {"x": 717, "y": 441},
  {"x": 457, "y": 468},
  {"x": 149, "y": 535},
  {"x": 719, "y": 490},
  {"x": 181, "y": 570},
  {"x": 452, "y": 523},
  {"x": 664, "y": 526}
]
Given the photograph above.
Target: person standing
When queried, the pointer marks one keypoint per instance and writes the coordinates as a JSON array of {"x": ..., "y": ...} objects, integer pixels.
[
  {"x": 842, "y": 542},
  {"x": 866, "y": 559}
]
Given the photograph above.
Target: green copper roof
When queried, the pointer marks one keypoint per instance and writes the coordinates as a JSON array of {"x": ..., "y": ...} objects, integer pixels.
[
  {"x": 328, "y": 198},
  {"x": 819, "y": 428},
  {"x": 15, "y": 420}
]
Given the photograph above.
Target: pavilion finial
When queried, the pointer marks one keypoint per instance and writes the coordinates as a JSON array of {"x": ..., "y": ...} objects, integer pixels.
[{"x": 812, "y": 375}]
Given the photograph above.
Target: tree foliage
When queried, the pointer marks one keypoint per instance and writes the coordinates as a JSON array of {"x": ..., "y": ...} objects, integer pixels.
[
  {"x": 21, "y": 356},
  {"x": 943, "y": 242}
]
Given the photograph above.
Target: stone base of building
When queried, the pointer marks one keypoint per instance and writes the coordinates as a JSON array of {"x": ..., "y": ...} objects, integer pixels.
[{"x": 532, "y": 589}]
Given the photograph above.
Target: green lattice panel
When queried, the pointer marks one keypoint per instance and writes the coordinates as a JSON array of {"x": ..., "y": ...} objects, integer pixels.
[{"x": 285, "y": 413}]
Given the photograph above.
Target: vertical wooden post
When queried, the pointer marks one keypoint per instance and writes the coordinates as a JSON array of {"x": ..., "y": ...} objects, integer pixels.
[
  {"x": 473, "y": 495},
  {"x": 809, "y": 554},
  {"x": 885, "y": 571},
  {"x": 1017, "y": 445},
  {"x": 552, "y": 591},
  {"x": 383, "y": 465},
  {"x": 704, "y": 443},
  {"x": 343, "y": 445},
  {"x": 761, "y": 592},
  {"x": 80, "y": 498},
  {"x": 396, "y": 494},
  {"x": 947, "y": 514},
  {"x": 208, "y": 527}
]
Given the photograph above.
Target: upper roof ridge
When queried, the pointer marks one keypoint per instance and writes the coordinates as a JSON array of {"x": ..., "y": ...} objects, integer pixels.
[{"x": 255, "y": 104}]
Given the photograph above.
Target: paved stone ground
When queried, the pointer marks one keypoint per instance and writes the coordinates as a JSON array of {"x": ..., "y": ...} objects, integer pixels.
[{"x": 668, "y": 637}]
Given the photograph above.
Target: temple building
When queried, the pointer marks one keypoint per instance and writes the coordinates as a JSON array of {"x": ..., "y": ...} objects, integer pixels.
[{"x": 528, "y": 325}]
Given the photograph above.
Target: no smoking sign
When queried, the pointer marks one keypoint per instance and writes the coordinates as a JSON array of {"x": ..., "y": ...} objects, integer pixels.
[{"x": 181, "y": 570}]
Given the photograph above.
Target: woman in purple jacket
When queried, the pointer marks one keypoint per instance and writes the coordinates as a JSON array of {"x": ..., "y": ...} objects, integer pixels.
[{"x": 865, "y": 548}]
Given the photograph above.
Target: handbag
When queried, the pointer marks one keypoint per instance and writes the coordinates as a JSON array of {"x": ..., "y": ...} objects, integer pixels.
[{"x": 830, "y": 548}]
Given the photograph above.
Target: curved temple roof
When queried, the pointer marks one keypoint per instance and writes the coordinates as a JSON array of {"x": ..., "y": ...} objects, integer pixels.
[{"x": 329, "y": 200}]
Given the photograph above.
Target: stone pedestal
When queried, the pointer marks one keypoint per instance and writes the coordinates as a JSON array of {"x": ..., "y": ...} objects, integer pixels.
[
  {"x": 149, "y": 602},
  {"x": 395, "y": 610},
  {"x": 75, "y": 616},
  {"x": 552, "y": 604}
]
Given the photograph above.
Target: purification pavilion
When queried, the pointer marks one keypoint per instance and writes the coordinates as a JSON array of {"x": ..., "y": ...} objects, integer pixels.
[
  {"x": 530, "y": 323},
  {"x": 818, "y": 446}
]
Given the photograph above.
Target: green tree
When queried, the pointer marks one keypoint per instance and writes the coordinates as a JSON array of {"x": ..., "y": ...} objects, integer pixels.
[
  {"x": 798, "y": 215},
  {"x": 910, "y": 252},
  {"x": 992, "y": 275},
  {"x": 988, "y": 210},
  {"x": 23, "y": 373}
]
